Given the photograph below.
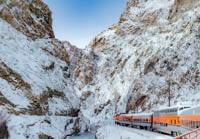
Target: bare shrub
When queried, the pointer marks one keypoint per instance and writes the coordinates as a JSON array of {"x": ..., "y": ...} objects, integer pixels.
[{"x": 4, "y": 134}]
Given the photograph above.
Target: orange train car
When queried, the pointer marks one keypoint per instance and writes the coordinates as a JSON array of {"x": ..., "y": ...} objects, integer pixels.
[
  {"x": 142, "y": 120},
  {"x": 171, "y": 120}
]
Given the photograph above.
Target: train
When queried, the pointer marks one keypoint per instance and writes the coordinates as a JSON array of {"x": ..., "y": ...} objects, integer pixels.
[{"x": 171, "y": 120}]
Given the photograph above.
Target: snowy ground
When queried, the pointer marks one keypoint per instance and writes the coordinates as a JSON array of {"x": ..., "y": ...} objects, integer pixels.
[
  {"x": 117, "y": 132},
  {"x": 84, "y": 136},
  {"x": 25, "y": 126}
]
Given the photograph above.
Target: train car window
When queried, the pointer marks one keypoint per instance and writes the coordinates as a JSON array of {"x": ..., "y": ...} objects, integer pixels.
[
  {"x": 181, "y": 108},
  {"x": 174, "y": 121},
  {"x": 171, "y": 122}
]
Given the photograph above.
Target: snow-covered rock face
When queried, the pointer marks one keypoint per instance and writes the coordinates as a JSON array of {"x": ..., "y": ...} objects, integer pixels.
[
  {"x": 153, "y": 50},
  {"x": 31, "y": 17},
  {"x": 34, "y": 85},
  {"x": 39, "y": 87},
  {"x": 132, "y": 66},
  {"x": 33, "y": 69}
]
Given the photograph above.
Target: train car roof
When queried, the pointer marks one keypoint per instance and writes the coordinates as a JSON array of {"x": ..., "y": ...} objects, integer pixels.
[
  {"x": 137, "y": 114},
  {"x": 184, "y": 111},
  {"x": 168, "y": 108}
]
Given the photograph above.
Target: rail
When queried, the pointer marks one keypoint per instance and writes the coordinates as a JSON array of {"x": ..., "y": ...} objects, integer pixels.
[{"x": 194, "y": 134}]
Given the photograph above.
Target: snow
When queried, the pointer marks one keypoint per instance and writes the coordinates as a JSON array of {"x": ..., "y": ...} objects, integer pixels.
[
  {"x": 131, "y": 61},
  {"x": 15, "y": 96},
  {"x": 158, "y": 4},
  {"x": 27, "y": 58},
  {"x": 23, "y": 126},
  {"x": 83, "y": 136},
  {"x": 117, "y": 132}
]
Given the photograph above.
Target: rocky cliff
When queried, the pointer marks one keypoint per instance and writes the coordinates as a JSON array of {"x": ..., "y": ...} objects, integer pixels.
[
  {"x": 50, "y": 89},
  {"x": 39, "y": 75},
  {"x": 31, "y": 17},
  {"x": 151, "y": 53}
]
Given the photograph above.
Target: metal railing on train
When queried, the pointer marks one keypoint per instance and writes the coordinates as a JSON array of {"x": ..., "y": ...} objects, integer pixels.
[{"x": 194, "y": 134}]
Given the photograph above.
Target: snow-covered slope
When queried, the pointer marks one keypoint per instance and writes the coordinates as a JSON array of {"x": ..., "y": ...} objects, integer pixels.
[
  {"x": 46, "y": 85},
  {"x": 38, "y": 91},
  {"x": 117, "y": 132},
  {"x": 33, "y": 85},
  {"x": 153, "y": 50}
]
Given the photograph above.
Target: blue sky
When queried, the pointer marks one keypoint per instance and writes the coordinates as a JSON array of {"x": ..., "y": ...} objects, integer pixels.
[{"x": 79, "y": 21}]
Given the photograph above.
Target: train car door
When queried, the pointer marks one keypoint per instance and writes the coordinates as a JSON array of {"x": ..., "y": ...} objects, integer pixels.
[{"x": 151, "y": 122}]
